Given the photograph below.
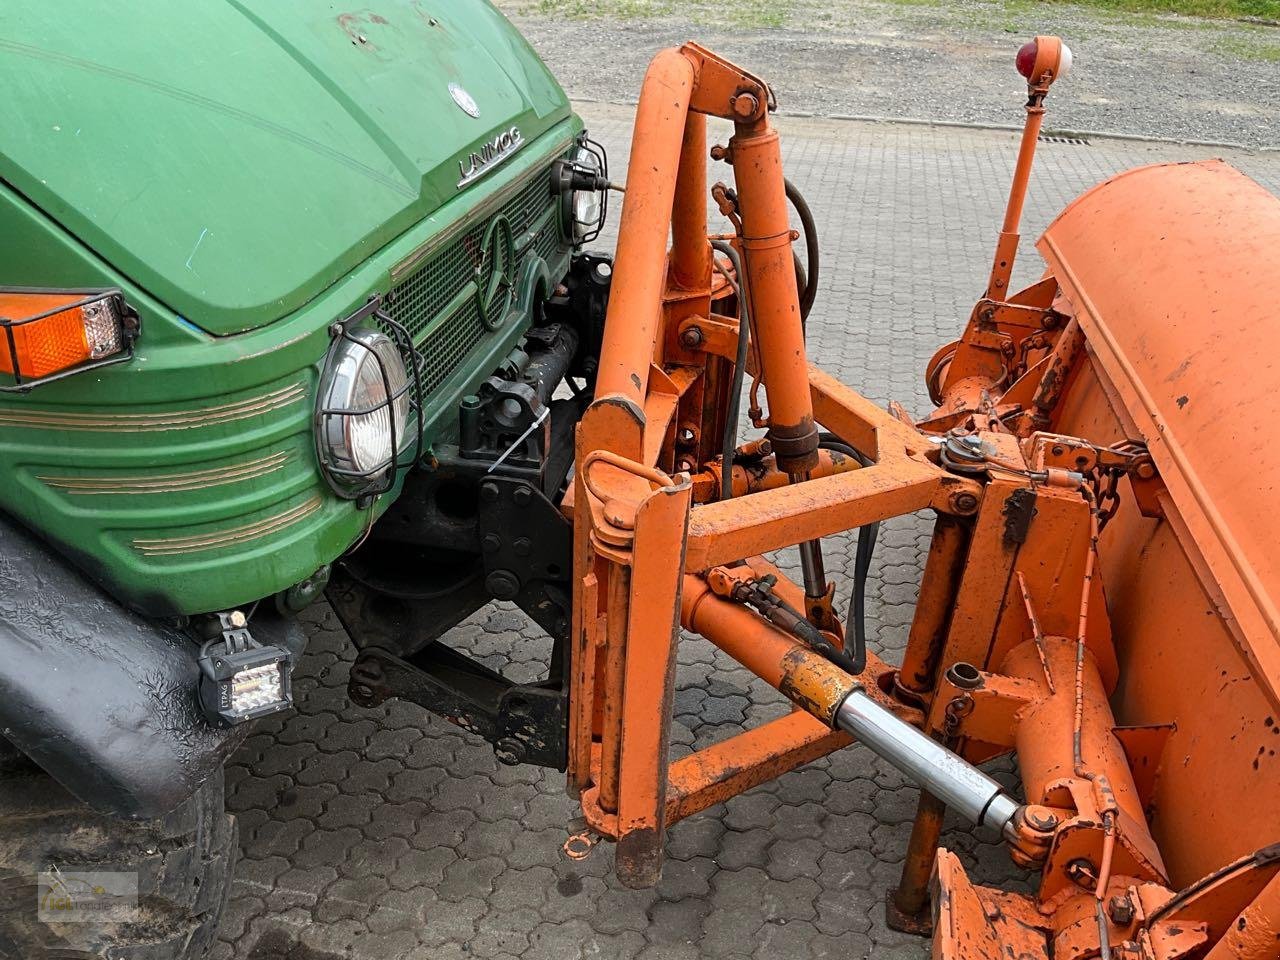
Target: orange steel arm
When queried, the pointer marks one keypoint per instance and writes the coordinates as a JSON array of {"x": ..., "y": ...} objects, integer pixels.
[{"x": 635, "y": 302}]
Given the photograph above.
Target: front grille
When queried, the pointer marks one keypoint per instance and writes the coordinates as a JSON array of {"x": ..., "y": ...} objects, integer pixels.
[
  {"x": 418, "y": 301},
  {"x": 529, "y": 206}
]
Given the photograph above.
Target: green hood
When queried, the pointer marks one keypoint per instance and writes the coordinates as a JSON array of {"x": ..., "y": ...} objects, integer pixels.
[{"x": 235, "y": 158}]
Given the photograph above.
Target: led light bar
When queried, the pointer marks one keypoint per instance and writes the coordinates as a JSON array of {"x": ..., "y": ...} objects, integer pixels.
[{"x": 241, "y": 679}]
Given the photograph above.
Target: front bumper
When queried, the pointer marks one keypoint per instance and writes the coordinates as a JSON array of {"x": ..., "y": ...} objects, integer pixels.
[{"x": 102, "y": 699}]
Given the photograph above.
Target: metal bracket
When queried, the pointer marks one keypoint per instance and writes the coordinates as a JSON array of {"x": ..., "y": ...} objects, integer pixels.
[
  {"x": 526, "y": 723},
  {"x": 526, "y": 545}
]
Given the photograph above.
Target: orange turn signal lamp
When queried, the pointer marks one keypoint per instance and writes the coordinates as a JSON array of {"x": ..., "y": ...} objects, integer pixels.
[{"x": 46, "y": 334}]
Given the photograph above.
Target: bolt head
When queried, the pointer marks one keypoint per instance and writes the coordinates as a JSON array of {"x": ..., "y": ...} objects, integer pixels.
[
  {"x": 490, "y": 543},
  {"x": 502, "y": 584},
  {"x": 523, "y": 496},
  {"x": 692, "y": 337},
  {"x": 523, "y": 546},
  {"x": 745, "y": 105},
  {"x": 1043, "y": 820},
  {"x": 1121, "y": 911},
  {"x": 489, "y": 492},
  {"x": 964, "y": 502}
]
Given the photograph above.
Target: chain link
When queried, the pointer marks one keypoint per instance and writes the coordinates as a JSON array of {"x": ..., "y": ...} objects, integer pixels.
[
  {"x": 1106, "y": 480},
  {"x": 1106, "y": 487}
]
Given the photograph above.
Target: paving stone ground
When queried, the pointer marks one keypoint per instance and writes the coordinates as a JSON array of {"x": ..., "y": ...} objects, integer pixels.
[{"x": 386, "y": 834}]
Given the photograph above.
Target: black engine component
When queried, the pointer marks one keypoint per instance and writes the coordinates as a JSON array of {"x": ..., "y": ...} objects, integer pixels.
[{"x": 483, "y": 523}]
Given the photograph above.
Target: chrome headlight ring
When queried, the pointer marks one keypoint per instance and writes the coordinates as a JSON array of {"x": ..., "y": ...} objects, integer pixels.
[{"x": 368, "y": 420}]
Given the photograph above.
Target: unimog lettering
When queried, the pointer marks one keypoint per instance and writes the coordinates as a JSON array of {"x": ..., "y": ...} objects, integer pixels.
[{"x": 492, "y": 154}]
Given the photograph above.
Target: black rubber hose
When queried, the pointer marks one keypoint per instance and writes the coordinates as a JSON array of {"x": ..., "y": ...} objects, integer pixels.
[
  {"x": 802, "y": 281},
  {"x": 810, "y": 291},
  {"x": 729, "y": 441},
  {"x": 856, "y": 629}
]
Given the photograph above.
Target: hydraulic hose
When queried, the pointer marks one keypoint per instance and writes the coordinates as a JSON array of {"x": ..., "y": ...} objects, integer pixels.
[
  {"x": 856, "y": 631},
  {"x": 810, "y": 275},
  {"x": 729, "y": 441}
]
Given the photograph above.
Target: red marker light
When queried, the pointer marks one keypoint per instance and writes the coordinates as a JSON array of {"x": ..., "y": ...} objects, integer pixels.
[{"x": 1026, "y": 60}]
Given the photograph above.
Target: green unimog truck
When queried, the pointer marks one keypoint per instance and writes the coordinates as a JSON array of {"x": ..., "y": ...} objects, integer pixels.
[{"x": 293, "y": 301}]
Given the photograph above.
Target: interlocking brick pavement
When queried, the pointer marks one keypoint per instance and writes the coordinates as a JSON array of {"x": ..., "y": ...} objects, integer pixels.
[{"x": 386, "y": 834}]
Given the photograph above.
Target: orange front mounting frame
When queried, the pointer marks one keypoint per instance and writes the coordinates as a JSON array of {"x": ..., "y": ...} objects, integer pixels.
[{"x": 1011, "y": 646}]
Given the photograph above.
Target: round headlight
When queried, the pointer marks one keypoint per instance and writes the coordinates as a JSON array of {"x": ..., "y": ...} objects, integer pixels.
[
  {"x": 364, "y": 408},
  {"x": 586, "y": 203},
  {"x": 581, "y": 209}
]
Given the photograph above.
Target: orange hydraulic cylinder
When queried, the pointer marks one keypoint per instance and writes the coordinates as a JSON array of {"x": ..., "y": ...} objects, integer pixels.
[
  {"x": 809, "y": 679},
  {"x": 690, "y": 249},
  {"x": 635, "y": 303},
  {"x": 775, "y": 300}
]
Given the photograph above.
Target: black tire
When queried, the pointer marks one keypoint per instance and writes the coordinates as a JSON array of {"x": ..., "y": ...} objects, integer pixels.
[{"x": 184, "y": 864}]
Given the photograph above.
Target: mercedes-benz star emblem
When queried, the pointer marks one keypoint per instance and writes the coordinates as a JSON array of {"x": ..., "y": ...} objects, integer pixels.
[
  {"x": 495, "y": 273},
  {"x": 464, "y": 100}
]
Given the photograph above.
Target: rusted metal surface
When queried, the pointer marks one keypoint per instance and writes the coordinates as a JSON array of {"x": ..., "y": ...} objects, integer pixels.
[
  {"x": 907, "y": 907},
  {"x": 1252, "y": 935},
  {"x": 726, "y": 769},
  {"x": 1099, "y": 541},
  {"x": 938, "y": 593}
]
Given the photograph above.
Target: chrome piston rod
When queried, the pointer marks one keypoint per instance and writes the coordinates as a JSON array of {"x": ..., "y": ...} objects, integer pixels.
[{"x": 950, "y": 778}]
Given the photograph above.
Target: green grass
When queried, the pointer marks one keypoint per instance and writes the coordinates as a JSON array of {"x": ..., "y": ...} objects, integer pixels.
[
  {"x": 1210, "y": 9},
  {"x": 739, "y": 13},
  {"x": 1248, "y": 48},
  {"x": 750, "y": 15},
  {"x": 618, "y": 9},
  {"x": 765, "y": 14},
  {"x": 773, "y": 13}
]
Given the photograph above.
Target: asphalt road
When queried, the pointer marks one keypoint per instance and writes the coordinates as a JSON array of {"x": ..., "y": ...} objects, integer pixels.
[{"x": 389, "y": 835}]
